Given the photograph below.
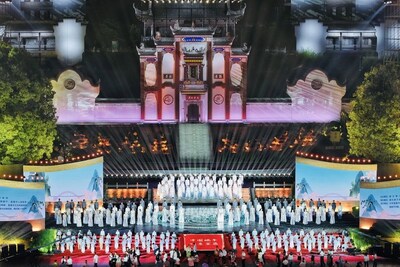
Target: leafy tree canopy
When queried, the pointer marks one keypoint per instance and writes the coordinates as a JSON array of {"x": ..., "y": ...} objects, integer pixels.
[
  {"x": 27, "y": 114},
  {"x": 374, "y": 125}
]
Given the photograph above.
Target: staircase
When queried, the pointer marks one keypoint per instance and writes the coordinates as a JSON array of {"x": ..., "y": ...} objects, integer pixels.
[{"x": 195, "y": 145}]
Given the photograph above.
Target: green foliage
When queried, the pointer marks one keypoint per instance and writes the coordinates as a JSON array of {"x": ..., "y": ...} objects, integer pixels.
[
  {"x": 309, "y": 54},
  {"x": 44, "y": 240},
  {"x": 27, "y": 114},
  {"x": 373, "y": 128},
  {"x": 361, "y": 240}
]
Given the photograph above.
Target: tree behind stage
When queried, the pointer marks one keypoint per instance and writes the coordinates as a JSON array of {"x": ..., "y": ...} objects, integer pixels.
[
  {"x": 374, "y": 126},
  {"x": 27, "y": 114}
]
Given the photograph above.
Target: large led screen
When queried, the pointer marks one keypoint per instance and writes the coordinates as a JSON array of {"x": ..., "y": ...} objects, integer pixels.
[
  {"x": 332, "y": 181},
  {"x": 380, "y": 200},
  {"x": 77, "y": 181},
  {"x": 21, "y": 201}
]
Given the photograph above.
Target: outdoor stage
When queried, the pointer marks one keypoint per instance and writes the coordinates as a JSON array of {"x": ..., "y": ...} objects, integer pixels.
[{"x": 225, "y": 234}]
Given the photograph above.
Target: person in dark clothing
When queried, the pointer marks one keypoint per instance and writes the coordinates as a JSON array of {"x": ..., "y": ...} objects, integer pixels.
[{"x": 278, "y": 259}]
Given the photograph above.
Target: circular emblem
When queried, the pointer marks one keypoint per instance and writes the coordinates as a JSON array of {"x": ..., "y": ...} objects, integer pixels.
[
  {"x": 218, "y": 99},
  {"x": 316, "y": 84},
  {"x": 69, "y": 84},
  {"x": 168, "y": 99}
]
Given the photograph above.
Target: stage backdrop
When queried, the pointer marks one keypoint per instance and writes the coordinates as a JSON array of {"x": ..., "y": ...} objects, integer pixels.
[
  {"x": 77, "y": 181},
  {"x": 21, "y": 201},
  {"x": 332, "y": 181},
  {"x": 380, "y": 200}
]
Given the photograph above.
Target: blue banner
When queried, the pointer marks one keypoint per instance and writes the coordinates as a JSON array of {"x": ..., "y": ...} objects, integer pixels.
[{"x": 21, "y": 201}]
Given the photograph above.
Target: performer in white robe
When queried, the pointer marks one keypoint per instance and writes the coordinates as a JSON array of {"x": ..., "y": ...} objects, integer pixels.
[
  {"x": 220, "y": 217},
  {"x": 323, "y": 214},
  {"x": 298, "y": 214},
  {"x": 78, "y": 218},
  {"x": 90, "y": 217},
  {"x": 147, "y": 217},
  {"x": 108, "y": 216},
  {"x": 119, "y": 217},
  {"x": 172, "y": 215},
  {"x": 305, "y": 217},
  {"x": 116, "y": 242},
  {"x": 64, "y": 220},
  {"x": 260, "y": 216},
  {"x": 246, "y": 217},
  {"x": 318, "y": 216},
  {"x": 276, "y": 219},
  {"x": 113, "y": 219},
  {"x": 107, "y": 243},
  {"x": 140, "y": 215},
  {"x": 181, "y": 216},
  {"x": 292, "y": 218},
  {"x": 155, "y": 215},
  {"x": 125, "y": 219},
  {"x": 230, "y": 218},
  {"x": 268, "y": 216},
  {"x": 252, "y": 217},
  {"x": 332, "y": 217},
  {"x": 310, "y": 215},
  {"x": 57, "y": 214},
  {"x": 283, "y": 215},
  {"x": 164, "y": 215},
  {"x": 68, "y": 212},
  {"x": 100, "y": 220},
  {"x": 85, "y": 216},
  {"x": 133, "y": 217}
]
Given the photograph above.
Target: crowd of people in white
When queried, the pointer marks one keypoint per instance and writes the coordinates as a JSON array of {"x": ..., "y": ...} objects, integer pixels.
[
  {"x": 275, "y": 213},
  {"x": 200, "y": 187},
  {"x": 126, "y": 241},
  {"x": 229, "y": 213},
  {"x": 288, "y": 240}
]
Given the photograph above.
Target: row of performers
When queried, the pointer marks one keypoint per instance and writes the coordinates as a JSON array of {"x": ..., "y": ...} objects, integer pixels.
[
  {"x": 247, "y": 214},
  {"x": 234, "y": 214},
  {"x": 120, "y": 216},
  {"x": 202, "y": 187},
  {"x": 85, "y": 242},
  {"x": 288, "y": 240}
]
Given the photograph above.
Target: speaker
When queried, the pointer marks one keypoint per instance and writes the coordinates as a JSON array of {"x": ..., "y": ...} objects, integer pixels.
[
  {"x": 21, "y": 248},
  {"x": 396, "y": 250},
  {"x": 388, "y": 249},
  {"x": 4, "y": 251},
  {"x": 12, "y": 249}
]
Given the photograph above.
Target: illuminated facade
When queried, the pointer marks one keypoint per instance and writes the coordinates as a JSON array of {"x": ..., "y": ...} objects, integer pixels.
[{"x": 192, "y": 73}]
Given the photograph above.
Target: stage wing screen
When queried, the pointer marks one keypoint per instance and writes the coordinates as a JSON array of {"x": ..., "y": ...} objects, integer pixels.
[
  {"x": 77, "y": 181},
  {"x": 21, "y": 201},
  {"x": 380, "y": 200},
  {"x": 332, "y": 181}
]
